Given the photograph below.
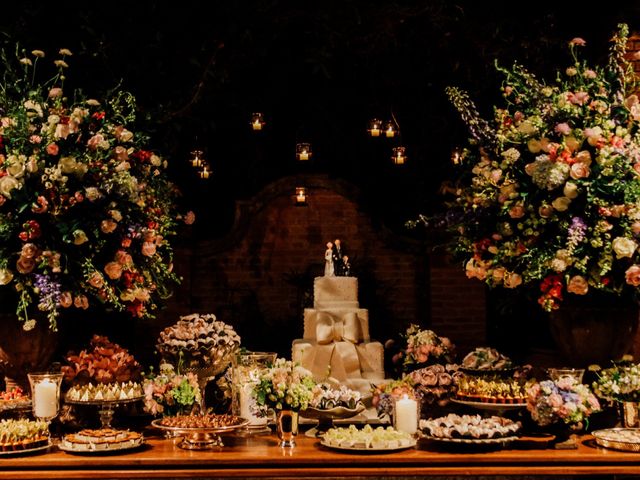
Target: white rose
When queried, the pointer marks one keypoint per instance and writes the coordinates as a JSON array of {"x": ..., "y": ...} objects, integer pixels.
[
  {"x": 126, "y": 136},
  {"x": 7, "y": 184},
  {"x": 5, "y": 276},
  {"x": 526, "y": 128},
  {"x": 570, "y": 190},
  {"x": 16, "y": 167},
  {"x": 561, "y": 203},
  {"x": 624, "y": 247},
  {"x": 53, "y": 119},
  {"x": 155, "y": 160},
  {"x": 534, "y": 145},
  {"x": 92, "y": 193},
  {"x": 67, "y": 164}
]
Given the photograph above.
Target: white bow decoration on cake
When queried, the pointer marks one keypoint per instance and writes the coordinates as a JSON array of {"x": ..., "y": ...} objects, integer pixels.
[{"x": 338, "y": 351}]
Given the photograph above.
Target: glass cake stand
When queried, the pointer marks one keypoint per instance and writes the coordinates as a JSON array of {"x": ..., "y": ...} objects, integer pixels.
[
  {"x": 326, "y": 417},
  {"x": 106, "y": 408},
  {"x": 200, "y": 438}
]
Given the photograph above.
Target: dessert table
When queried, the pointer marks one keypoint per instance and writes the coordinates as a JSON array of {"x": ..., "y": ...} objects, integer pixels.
[{"x": 260, "y": 457}]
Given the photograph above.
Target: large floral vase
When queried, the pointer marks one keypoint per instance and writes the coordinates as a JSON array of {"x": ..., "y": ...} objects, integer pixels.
[
  {"x": 590, "y": 332},
  {"x": 23, "y": 351}
]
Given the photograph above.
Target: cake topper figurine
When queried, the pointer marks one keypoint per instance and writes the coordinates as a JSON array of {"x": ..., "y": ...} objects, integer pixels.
[
  {"x": 338, "y": 267},
  {"x": 328, "y": 261}
]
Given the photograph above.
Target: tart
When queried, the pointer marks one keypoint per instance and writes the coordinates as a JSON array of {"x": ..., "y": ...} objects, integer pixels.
[
  {"x": 16, "y": 435},
  {"x": 14, "y": 398}
]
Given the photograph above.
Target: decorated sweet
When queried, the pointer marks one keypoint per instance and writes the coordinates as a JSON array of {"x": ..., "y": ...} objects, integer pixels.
[
  {"x": 18, "y": 435},
  {"x": 197, "y": 340},
  {"x": 105, "y": 362},
  {"x": 470, "y": 426},
  {"x": 201, "y": 421},
  {"x": 105, "y": 392},
  {"x": 493, "y": 389},
  {"x": 485, "y": 358},
  {"x": 103, "y": 439},
  {"x": 13, "y": 398},
  {"x": 326, "y": 396}
]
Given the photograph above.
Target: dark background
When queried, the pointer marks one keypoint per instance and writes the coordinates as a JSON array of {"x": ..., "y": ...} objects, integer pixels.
[{"x": 317, "y": 70}]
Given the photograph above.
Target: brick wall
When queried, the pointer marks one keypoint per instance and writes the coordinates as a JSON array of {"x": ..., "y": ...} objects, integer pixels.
[{"x": 260, "y": 276}]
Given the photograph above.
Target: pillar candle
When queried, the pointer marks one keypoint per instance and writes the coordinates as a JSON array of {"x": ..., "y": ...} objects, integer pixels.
[
  {"x": 406, "y": 415},
  {"x": 45, "y": 399}
]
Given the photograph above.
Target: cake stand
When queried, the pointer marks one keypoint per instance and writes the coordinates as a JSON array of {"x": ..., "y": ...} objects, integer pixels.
[
  {"x": 498, "y": 408},
  {"x": 106, "y": 408},
  {"x": 326, "y": 417},
  {"x": 200, "y": 438}
]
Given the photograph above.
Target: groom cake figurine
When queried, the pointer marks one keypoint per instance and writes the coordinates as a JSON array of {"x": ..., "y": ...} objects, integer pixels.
[{"x": 338, "y": 254}]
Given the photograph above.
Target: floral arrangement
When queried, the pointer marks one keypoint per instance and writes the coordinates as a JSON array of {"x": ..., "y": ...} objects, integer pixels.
[
  {"x": 385, "y": 394},
  {"x": 421, "y": 347},
  {"x": 435, "y": 383},
  {"x": 561, "y": 401},
  {"x": 326, "y": 396},
  {"x": 485, "y": 358},
  {"x": 197, "y": 340},
  {"x": 285, "y": 386},
  {"x": 169, "y": 393},
  {"x": 86, "y": 209},
  {"x": 621, "y": 382},
  {"x": 549, "y": 191},
  {"x": 105, "y": 362}
]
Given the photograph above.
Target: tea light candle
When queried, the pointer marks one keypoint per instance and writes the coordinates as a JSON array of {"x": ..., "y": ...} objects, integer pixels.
[
  {"x": 375, "y": 127},
  {"x": 301, "y": 195},
  {"x": 406, "y": 415},
  {"x": 257, "y": 125},
  {"x": 45, "y": 399},
  {"x": 304, "y": 155}
]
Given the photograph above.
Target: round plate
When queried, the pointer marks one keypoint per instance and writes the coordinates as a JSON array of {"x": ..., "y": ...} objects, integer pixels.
[
  {"x": 627, "y": 439},
  {"x": 116, "y": 448},
  {"x": 229, "y": 428},
  {"x": 103, "y": 402},
  {"x": 28, "y": 450},
  {"x": 471, "y": 441},
  {"x": 370, "y": 449},
  {"x": 490, "y": 406}
]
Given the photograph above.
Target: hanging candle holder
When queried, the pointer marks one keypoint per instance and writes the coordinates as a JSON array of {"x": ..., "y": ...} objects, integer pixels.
[
  {"x": 399, "y": 156},
  {"x": 197, "y": 160},
  {"x": 301, "y": 196},
  {"x": 375, "y": 127},
  {"x": 303, "y": 152},
  {"x": 257, "y": 121},
  {"x": 205, "y": 172},
  {"x": 390, "y": 129}
]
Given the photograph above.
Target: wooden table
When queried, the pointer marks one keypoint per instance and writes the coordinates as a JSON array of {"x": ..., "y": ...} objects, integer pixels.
[{"x": 260, "y": 457}]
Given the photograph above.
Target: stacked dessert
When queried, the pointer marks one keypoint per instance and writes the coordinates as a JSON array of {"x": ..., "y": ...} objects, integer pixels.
[
  {"x": 104, "y": 439},
  {"x": 336, "y": 339},
  {"x": 105, "y": 392}
]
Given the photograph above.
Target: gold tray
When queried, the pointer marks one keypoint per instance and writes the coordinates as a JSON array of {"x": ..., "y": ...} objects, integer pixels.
[{"x": 606, "y": 438}]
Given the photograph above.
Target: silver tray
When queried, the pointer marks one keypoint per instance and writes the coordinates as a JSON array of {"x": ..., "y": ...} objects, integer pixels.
[
  {"x": 471, "y": 441},
  {"x": 604, "y": 439},
  {"x": 116, "y": 448},
  {"x": 200, "y": 438},
  {"x": 370, "y": 449},
  {"x": 28, "y": 450},
  {"x": 103, "y": 402}
]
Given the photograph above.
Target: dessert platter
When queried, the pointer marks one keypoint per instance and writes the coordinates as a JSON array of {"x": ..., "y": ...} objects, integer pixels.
[
  {"x": 485, "y": 360},
  {"x": 200, "y": 432},
  {"x": 367, "y": 439},
  {"x": 103, "y": 440},
  {"x": 627, "y": 439},
  {"x": 23, "y": 436},
  {"x": 105, "y": 396},
  {"x": 470, "y": 429},
  {"x": 329, "y": 403},
  {"x": 492, "y": 392},
  {"x": 14, "y": 400}
]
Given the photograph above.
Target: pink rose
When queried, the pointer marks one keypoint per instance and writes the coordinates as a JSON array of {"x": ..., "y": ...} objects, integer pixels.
[
  {"x": 578, "y": 42},
  {"x": 578, "y": 285},
  {"x": 189, "y": 218},
  {"x": 517, "y": 211},
  {"x": 113, "y": 270},
  {"x": 545, "y": 211},
  {"x": 29, "y": 250},
  {"x": 81, "y": 301},
  {"x": 62, "y": 131},
  {"x": 579, "y": 170},
  {"x": 123, "y": 258},
  {"x": 148, "y": 249},
  {"x": 555, "y": 400},
  {"x": 590, "y": 74},
  {"x": 65, "y": 300},
  {"x": 108, "y": 226},
  {"x": 25, "y": 265},
  {"x": 632, "y": 275},
  {"x": 635, "y": 228},
  {"x": 55, "y": 92},
  {"x": 121, "y": 154},
  {"x": 563, "y": 128},
  {"x": 512, "y": 280},
  {"x": 95, "y": 141},
  {"x": 35, "y": 139}
]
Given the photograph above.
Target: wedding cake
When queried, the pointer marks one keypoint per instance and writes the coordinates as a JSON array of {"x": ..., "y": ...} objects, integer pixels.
[{"x": 336, "y": 339}]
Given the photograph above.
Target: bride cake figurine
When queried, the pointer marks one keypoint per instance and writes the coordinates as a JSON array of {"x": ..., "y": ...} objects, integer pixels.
[{"x": 328, "y": 261}]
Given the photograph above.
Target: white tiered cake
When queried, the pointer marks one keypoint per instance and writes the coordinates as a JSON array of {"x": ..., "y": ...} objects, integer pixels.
[{"x": 336, "y": 339}]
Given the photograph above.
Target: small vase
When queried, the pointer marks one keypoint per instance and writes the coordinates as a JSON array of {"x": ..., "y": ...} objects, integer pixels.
[
  {"x": 630, "y": 413},
  {"x": 287, "y": 427}
]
